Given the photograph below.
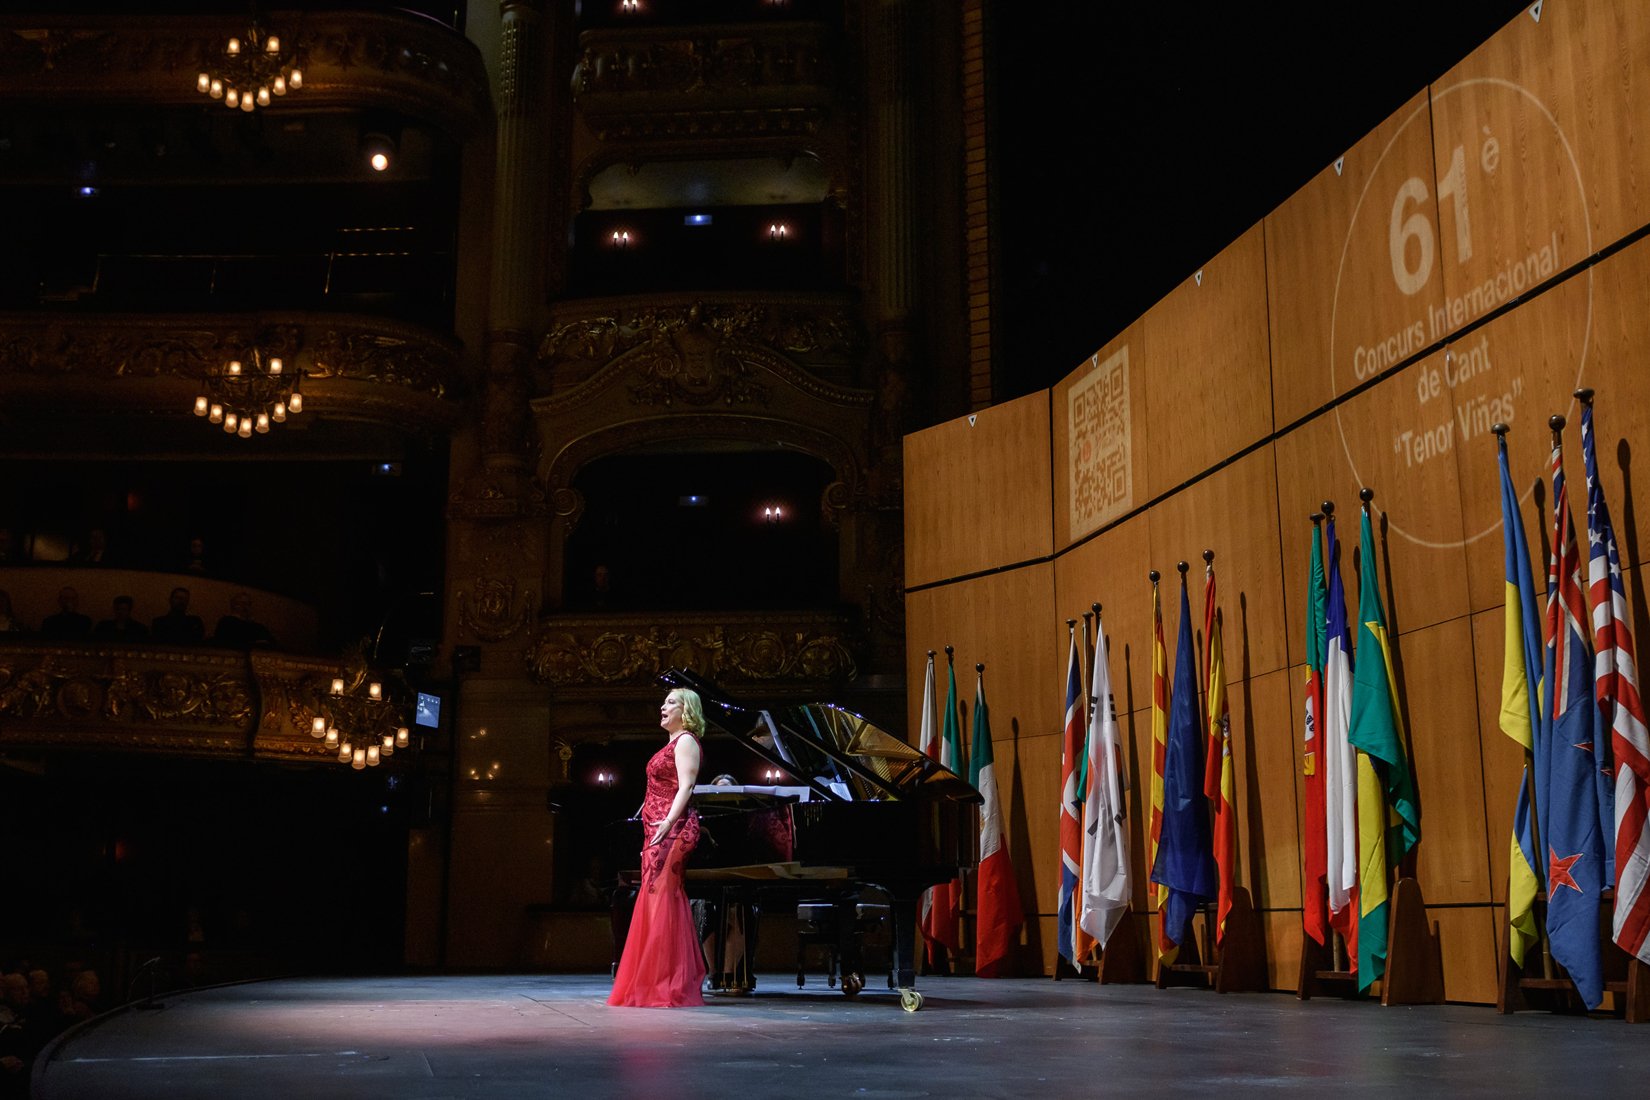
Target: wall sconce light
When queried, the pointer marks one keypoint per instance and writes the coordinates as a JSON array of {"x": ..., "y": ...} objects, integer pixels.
[
  {"x": 605, "y": 778},
  {"x": 619, "y": 238},
  {"x": 779, "y": 231},
  {"x": 380, "y": 149},
  {"x": 773, "y": 513},
  {"x": 630, "y": 7},
  {"x": 772, "y": 775}
]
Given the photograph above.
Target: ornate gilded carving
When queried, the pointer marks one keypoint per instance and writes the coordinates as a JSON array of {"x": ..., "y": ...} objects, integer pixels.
[
  {"x": 489, "y": 609},
  {"x": 413, "y": 372},
  {"x": 351, "y": 58},
  {"x": 96, "y": 686},
  {"x": 605, "y": 652},
  {"x": 190, "y": 701},
  {"x": 824, "y": 328},
  {"x": 737, "y": 80}
]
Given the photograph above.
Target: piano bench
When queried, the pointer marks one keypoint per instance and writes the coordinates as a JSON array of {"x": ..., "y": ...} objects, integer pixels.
[{"x": 838, "y": 927}]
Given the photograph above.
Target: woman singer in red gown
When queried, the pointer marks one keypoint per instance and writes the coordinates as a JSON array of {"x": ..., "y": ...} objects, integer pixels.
[{"x": 662, "y": 965}]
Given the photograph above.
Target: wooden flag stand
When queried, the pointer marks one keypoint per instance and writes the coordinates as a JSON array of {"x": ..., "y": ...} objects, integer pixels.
[
  {"x": 1319, "y": 975},
  {"x": 1239, "y": 964},
  {"x": 1551, "y": 990},
  {"x": 1122, "y": 962},
  {"x": 1414, "y": 958}
]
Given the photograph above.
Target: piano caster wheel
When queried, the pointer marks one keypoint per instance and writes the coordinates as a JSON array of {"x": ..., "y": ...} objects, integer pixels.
[
  {"x": 910, "y": 1000},
  {"x": 852, "y": 984}
]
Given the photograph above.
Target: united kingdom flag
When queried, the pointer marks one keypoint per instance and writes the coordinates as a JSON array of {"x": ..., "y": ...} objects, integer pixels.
[{"x": 1615, "y": 682}]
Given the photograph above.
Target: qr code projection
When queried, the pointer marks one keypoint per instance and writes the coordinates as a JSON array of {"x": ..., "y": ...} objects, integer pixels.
[{"x": 1101, "y": 486}]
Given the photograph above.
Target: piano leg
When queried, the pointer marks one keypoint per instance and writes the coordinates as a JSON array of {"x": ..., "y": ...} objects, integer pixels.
[{"x": 903, "y": 913}]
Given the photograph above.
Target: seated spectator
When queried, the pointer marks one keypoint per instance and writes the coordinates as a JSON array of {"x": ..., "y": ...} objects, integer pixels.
[
  {"x": 238, "y": 629},
  {"x": 94, "y": 552},
  {"x": 68, "y": 625},
  {"x": 177, "y": 626},
  {"x": 196, "y": 561},
  {"x": 122, "y": 628},
  {"x": 80, "y": 1001},
  {"x": 8, "y": 619}
]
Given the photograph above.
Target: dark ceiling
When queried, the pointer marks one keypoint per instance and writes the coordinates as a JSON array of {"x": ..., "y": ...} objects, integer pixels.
[{"x": 1138, "y": 140}]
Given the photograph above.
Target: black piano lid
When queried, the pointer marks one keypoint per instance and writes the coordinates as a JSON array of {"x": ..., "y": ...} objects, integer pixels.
[{"x": 835, "y": 751}]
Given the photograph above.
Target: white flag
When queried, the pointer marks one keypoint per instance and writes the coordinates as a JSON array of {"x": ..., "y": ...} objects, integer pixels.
[{"x": 1105, "y": 882}]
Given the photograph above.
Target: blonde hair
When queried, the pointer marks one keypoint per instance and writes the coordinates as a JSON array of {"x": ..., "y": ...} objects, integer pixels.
[{"x": 693, "y": 711}]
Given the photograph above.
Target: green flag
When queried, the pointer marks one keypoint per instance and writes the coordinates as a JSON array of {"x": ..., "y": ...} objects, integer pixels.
[{"x": 1389, "y": 819}]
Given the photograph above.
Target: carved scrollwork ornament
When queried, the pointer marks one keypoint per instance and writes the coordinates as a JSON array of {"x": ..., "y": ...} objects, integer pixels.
[{"x": 490, "y": 609}]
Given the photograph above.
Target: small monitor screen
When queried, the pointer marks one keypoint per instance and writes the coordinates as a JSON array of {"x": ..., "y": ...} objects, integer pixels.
[{"x": 429, "y": 710}]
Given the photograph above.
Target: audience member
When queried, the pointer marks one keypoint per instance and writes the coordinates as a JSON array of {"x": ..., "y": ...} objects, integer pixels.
[
  {"x": 8, "y": 618},
  {"x": 94, "y": 552},
  {"x": 122, "y": 627},
  {"x": 196, "y": 561},
  {"x": 68, "y": 625},
  {"x": 238, "y": 629},
  {"x": 177, "y": 626}
]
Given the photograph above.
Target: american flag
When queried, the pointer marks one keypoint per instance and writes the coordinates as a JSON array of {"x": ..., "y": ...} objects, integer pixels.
[{"x": 1615, "y": 680}]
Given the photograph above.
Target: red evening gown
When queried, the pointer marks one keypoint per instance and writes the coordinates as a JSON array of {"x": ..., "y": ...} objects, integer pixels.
[{"x": 662, "y": 965}]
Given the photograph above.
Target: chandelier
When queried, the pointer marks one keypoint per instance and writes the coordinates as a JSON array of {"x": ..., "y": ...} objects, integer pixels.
[
  {"x": 253, "y": 68},
  {"x": 359, "y": 718},
  {"x": 247, "y": 395}
]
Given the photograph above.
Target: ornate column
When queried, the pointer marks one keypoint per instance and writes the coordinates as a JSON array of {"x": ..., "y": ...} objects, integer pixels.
[
  {"x": 501, "y": 847},
  {"x": 872, "y": 562}
]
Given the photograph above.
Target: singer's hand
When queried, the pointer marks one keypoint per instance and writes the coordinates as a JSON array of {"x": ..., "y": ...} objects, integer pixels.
[{"x": 659, "y": 830}]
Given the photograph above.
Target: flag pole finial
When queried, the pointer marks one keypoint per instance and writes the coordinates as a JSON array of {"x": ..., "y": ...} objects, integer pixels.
[
  {"x": 1182, "y": 566},
  {"x": 1366, "y": 494},
  {"x": 1208, "y": 557},
  {"x": 1500, "y": 429},
  {"x": 1071, "y": 624},
  {"x": 1316, "y": 518},
  {"x": 950, "y": 656},
  {"x": 930, "y": 654},
  {"x": 980, "y": 668},
  {"x": 1556, "y": 423},
  {"x": 1095, "y": 607},
  {"x": 1584, "y": 395},
  {"x": 1155, "y": 576},
  {"x": 1328, "y": 507}
]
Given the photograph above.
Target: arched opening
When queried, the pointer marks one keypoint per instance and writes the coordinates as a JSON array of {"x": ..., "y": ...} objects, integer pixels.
[{"x": 733, "y": 529}]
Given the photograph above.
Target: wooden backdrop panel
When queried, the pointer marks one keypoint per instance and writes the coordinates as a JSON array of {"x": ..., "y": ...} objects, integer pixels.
[
  {"x": 1534, "y": 349},
  {"x": 1234, "y": 513},
  {"x": 1548, "y": 117},
  {"x": 1467, "y": 938},
  {"x": 1503, "y": 760},
  {"x": 1001, "y": 620},
  {"x": 1338, "y": 315},
  {"x": 1435, "y": 667},
  {"x": 1283, "y": 949},
  {"x": 977, "y": 496},
  {"x": 1207, "y": 367},
  {"x": 1421, "y": 499},
  {"x": 1263, "y": 763},
  {"x": 1099, "y": 438},
  {"x": 1110, "y": 569}
]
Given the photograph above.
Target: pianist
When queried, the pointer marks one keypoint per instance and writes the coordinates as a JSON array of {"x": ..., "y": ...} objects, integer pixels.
[{"x": 662, "y": 965}]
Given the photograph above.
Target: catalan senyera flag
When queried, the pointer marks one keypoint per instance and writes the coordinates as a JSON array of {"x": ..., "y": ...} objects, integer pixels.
[
  {"x": 1566, "y": 755},
  {"x": 1106, "y": 887},
  {"x": 1167, "y": 947},
  {"x": 945, "y": 924},
  {"x": 1616, "y": 684},
  {"x": 1219, "y": 785},
  {"x": 998, "y": 914},
  {"x": 928, "y": 742},
  {"x": 1071, "y": 808},
  {"x": 1185, "y": 863},
  {"x": 1314, "y": 839},
  {"x": 1338, "y": 758},
  {"x": 1389, "y": 815},
  {"x": 1520, "y": 681}
]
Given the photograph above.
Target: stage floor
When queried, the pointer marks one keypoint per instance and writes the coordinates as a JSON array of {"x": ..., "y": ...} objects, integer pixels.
[{"x": 554, "y": 1035}]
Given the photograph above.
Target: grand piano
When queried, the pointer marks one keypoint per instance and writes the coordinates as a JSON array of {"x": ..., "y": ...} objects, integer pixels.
[{"x": 855, "y": 813}]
